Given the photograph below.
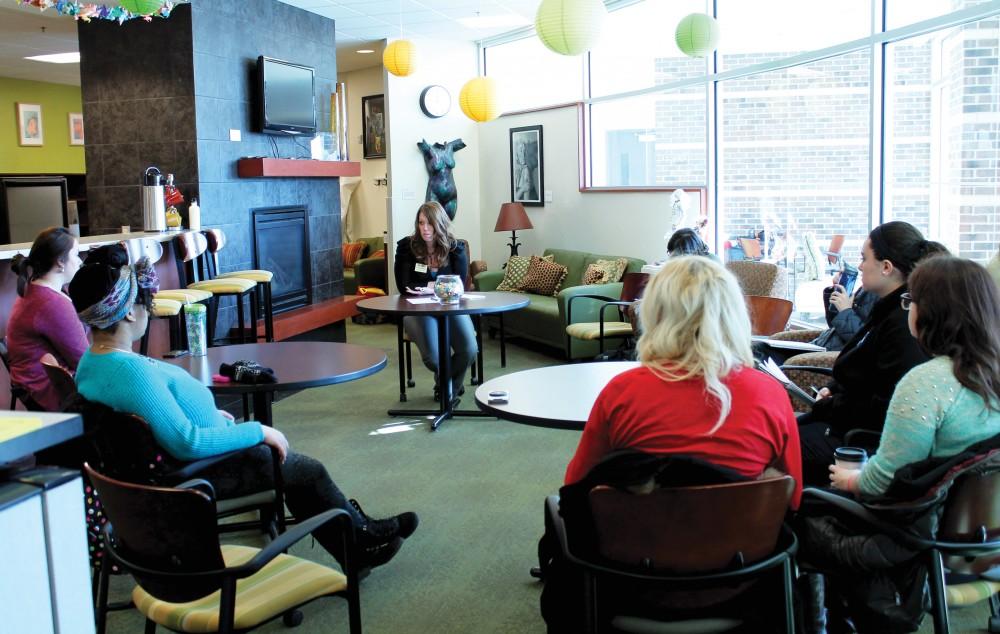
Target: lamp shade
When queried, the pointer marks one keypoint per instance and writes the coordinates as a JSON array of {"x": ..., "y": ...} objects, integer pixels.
[
  {"x": 512, "y": 218},
  {"x": 142, "y": 7},
  {"x": 569, "y": 27},
  {"x": 478, "y": 99},
  {"x": 697, "y": 35},
  {"x": 399, "y": 58}
]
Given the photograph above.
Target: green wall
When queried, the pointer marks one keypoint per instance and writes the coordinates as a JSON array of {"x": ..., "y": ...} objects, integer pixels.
[{"x": 56, "y": 155}]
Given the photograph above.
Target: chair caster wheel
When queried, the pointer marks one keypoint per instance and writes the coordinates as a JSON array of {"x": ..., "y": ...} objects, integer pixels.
[
  {"x": 292, "y": 618},
  {"x": 411, "y": 384},
  {"x": 402, "y": 398}
]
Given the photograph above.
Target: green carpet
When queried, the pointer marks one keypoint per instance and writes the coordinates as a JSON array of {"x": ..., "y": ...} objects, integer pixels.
[{"x": 477, "y": 483}]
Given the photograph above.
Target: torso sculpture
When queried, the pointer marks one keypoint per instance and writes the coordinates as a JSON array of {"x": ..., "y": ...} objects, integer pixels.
[{"x": 440, "y": 160}]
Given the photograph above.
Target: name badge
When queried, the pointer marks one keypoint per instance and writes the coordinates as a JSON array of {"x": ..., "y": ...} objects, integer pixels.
[{"x": 420, "y": 268}]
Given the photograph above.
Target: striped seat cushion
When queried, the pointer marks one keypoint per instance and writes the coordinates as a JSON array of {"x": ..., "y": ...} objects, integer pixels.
[
  {"x": 185, "y": 295},
  {"x": 282, "y": 584},
  {"x": 231, "y": 285},
  {"x": 257, "y": 275},
  {"x": 592, "y": 330},
  {"x": 973, "y": 592},
  {"x": 163, "y": 307}
]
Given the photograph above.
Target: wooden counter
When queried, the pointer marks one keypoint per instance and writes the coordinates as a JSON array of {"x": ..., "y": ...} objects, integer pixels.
[{"x": 8, "y": 251}]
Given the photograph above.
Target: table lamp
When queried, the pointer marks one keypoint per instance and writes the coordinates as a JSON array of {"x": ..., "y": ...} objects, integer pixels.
[{"x": 512, "y": 217}]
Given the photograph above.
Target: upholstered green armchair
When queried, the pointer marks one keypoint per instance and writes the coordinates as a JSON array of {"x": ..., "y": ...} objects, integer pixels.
[{"x": 367, "y": 270}]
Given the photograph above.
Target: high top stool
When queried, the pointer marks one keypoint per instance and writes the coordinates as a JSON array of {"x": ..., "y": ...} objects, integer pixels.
[
  {"x": 216, "y": 241},
  {"x": 192, "y": 272}
]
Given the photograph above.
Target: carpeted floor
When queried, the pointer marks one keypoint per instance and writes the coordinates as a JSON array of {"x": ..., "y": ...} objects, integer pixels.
[{"x": 477, "y": 483}]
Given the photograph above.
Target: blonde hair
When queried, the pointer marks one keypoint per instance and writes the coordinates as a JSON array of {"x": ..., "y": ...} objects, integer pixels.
[
  {"x": 443, "y": 238},
  {"x": 695, "y": 324}
]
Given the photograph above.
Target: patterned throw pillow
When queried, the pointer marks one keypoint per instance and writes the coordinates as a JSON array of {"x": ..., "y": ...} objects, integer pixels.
[
  {"x": 544, "y": 277},
  {"x": 378, "y": 254},
  {"x": 605, "y": 271},
  {"x": 517, "y": 268},
  {"x": 353, "y": 251}
]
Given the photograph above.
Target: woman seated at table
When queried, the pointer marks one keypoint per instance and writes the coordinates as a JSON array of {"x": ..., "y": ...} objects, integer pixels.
[
  {"x": 114, "y": 300},
  {"x": 43, "y": 320},
  {"x": 696, "y": 392},
  {"x": 420, "y": 258},
  {"x": 943, "y": 406},
  {"x": 872, "y": 363}
]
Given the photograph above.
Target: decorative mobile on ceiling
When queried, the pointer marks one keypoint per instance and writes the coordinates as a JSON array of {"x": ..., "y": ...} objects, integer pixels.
[{"x": 128, "y": 9}]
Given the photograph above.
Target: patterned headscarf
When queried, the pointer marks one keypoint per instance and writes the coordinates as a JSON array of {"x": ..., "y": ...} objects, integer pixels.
[{"x": 120, "y": 299}]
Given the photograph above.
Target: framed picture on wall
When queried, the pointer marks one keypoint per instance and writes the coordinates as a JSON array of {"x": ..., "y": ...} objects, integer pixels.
[
  {"x": 29, "y": 124},
  {"x": 75, "y": 128},
  {"x": 527, "y": 174},
  {"x": 373, "y": 122}
]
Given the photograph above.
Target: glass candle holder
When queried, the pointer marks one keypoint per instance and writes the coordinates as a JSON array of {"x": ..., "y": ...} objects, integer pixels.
[{"x": 448, "y": 289}]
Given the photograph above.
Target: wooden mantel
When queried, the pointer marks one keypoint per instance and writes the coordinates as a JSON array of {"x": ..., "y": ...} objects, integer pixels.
[{"x": 261, "y": 167}]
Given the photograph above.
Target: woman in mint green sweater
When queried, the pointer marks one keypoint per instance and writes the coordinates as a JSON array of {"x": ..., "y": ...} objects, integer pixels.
[
  {"x": 952, "y": 401},
  {"x": 114, "y": 299}
]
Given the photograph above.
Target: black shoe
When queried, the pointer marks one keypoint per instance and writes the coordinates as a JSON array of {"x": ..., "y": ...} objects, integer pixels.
[
  {"x": 401, "y": 525},
  {"x": 454, "y": 394},
  {"x": 374, "y": 556}
]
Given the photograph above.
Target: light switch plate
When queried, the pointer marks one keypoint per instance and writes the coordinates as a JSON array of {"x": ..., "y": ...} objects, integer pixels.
[
  {"x": 235, "y": 135},
  {"x": 548, "y": 195},
  {"x": 408, "y": 194}
]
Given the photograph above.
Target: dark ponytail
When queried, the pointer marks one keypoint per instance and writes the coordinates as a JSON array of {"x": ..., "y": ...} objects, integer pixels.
[
  {"x": 50, "y": 247},
  {"x": 902, "y": 244}
]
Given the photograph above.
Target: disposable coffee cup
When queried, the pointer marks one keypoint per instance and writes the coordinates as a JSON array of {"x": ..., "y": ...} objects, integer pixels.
[{"x": 850, "y": 457}]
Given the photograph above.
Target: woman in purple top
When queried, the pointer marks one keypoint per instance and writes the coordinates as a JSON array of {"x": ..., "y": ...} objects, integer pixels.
[{"x": 43, "y": 318}]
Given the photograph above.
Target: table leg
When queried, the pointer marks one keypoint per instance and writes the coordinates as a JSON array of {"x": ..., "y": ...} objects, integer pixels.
[
  {"x": 503, "y": 344},
  {"x": 262, "y": 408}
]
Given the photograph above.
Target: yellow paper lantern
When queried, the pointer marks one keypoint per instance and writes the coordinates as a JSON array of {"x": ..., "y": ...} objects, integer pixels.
[
  {"x": 569, "y": 27},
  {"x": 697, "y": 35},
  {"x": 478, "y": 99},
  {"x": 399, "y": 58}
]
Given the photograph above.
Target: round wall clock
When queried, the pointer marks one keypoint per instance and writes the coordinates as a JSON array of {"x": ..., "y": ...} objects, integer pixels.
[{"x": 435, "y": 101}]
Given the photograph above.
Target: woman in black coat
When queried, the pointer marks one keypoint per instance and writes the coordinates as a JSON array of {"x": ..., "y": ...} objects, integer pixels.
[
  {"x": 867, "y": 370},
  {"x": 420, "y": 258}
]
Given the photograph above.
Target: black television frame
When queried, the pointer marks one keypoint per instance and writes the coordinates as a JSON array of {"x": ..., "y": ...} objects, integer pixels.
[
  {"x": 280, "y": 128},
  {"x": 9, "y": 182}
]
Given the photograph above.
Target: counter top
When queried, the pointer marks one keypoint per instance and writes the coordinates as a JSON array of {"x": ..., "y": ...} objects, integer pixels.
[
  {"x": 24, "y": 433},
  {"x": 8, "y": 251}
]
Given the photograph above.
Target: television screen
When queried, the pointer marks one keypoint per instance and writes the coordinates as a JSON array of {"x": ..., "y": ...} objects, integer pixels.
[{"x": 287, "y": 104}]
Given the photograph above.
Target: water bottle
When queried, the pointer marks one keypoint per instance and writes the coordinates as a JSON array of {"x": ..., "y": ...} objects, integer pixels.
[{"x": 196, "y": 317}]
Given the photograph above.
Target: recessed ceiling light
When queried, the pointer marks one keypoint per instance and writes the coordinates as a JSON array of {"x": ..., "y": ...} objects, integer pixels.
[
  {"x": 57, "y": 58},
  {"x": 493, "y": 21},
  {"x": 366, "y": 51}
]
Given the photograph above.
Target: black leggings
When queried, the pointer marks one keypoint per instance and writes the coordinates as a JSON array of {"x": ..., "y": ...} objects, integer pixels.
[{"x": 309, "y": 490}]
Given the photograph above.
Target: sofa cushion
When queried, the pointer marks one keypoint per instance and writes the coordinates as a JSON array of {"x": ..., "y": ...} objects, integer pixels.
[
  {"x": 604, "y": 271},
  {"x": 517, "y": 268},
  {"x": 352, "y": 252},
  {"x": 543, "y": 277}
]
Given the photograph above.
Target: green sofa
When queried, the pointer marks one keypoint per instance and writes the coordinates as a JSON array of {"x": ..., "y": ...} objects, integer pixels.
[
  {"x": 544, "y": 320},
  {"x": 367, "y": 271}
]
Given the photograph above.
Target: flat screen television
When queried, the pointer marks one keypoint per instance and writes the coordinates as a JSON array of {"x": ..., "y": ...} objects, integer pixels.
[
  {"x": 30, "y": 204},
  {"x": 286, "y": 97}
]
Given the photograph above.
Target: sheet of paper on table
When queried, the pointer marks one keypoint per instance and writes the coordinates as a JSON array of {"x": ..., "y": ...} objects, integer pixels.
[
  {"x": 422, "y": 300},
  {"x": 473, "y": 296}
]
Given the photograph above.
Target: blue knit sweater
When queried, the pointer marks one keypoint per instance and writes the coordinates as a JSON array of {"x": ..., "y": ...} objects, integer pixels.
[{"x": 179, "y": 409}]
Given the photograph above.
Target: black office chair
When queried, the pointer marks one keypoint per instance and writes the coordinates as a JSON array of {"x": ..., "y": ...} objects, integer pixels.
[
  {"x": 17, "y": 393},
  {"x": 166, "y": 538}
]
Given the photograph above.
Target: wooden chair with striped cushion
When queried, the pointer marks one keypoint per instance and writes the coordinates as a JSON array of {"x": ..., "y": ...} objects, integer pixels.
[
  {"x": 192, "y": 270},
  {"x": 187, "y": 582}
]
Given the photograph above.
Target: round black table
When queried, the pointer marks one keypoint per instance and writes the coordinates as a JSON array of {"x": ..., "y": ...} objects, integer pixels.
[
  {"x": 296, "y": 364},
  {"x": 479, "y": 304},
  {"x": 559, "y": 396}
]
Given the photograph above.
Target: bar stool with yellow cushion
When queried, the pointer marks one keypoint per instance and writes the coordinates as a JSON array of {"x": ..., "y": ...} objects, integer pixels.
[
  {"x": 192, "y": 271},
  {"x": 172, "y": 310},
  {"x": 216, "y": 241}
]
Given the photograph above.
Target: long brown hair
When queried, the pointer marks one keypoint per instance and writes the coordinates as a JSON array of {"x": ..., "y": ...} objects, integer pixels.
[
  {"x": 444, "y": 241},
  {"x": 958, "y": 315},
  {"x": 50, "y": 247}
]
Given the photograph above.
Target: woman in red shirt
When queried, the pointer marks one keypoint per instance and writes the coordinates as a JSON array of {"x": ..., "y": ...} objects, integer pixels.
[{"x": 696, "y": 392}]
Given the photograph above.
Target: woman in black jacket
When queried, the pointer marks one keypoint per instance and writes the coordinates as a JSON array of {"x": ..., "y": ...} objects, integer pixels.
[
  {"x": 420, "y": 258},
  {"x": 870, "y": 365}
]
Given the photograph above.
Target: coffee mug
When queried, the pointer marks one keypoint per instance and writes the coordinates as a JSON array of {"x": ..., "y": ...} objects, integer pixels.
[{"x": 850, "y": 457}]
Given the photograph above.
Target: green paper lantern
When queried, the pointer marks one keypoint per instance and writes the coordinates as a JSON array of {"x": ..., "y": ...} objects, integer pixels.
[
  {"x": 569, "y": 27},
  {"x": 697, "y": 35},
  {"x": 142, "y": 7}
]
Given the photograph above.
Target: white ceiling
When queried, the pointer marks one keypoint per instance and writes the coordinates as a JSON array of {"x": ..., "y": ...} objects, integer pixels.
[{"x": 360, "y": 24}]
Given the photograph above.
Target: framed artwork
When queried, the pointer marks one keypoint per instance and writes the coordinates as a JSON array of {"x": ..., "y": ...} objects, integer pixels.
[
  {"x": 76, "y": 128},
  {"x": 527, "y": 174},
  {"x": 373, "y": 121},
  {"x": 29, "y": 124}
]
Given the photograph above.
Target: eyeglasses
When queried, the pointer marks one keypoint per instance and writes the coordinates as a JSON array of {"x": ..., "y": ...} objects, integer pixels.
[{"x": 906, "y": 300}]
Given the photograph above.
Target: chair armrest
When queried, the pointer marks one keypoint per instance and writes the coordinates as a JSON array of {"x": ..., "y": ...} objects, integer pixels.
[
  {"x": 191, "y": 469},
  {"x": 619, "y": 304},
  {"x": 285, "y": 540},
  {"x": 805, "y": 336},
  {"x": 488, "y": 280},
  {"x": 809, "y": 368},
  {"x": 569, "y": 307},
  {"x": 856, "y": 510},
  {"x": 370, "y": 272},
  {"x": 589, "y": 311}
]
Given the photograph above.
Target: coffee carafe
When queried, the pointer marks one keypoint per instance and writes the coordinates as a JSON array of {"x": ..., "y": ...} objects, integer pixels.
[{"x": 154, "y": 217}]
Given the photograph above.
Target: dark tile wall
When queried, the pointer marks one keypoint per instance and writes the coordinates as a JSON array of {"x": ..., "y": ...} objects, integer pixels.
[{"x": 168, "y": 92}]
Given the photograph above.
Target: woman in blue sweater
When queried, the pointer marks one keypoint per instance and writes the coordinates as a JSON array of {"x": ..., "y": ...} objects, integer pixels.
[
  {"x": 952, "y": 401},
  {"x": 114, "y": 299}
]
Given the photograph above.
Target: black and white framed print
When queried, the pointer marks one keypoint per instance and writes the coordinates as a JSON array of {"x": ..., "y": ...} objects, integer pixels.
[{"x": 527, "y": 174}]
